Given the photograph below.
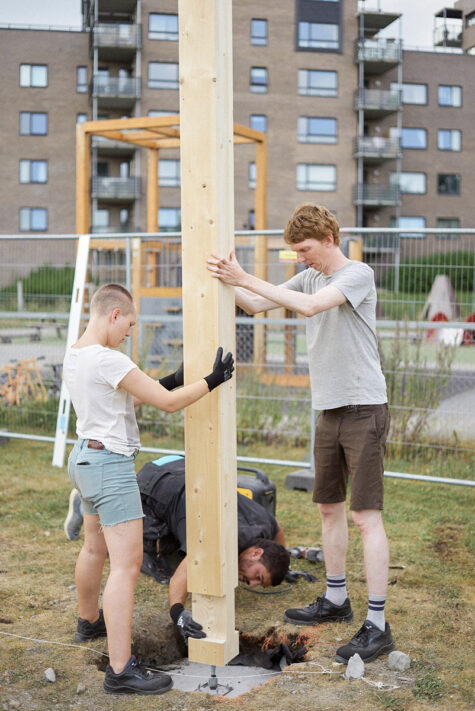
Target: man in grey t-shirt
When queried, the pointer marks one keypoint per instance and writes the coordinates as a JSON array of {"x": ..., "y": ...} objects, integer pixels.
[{"x": 338, "y": 298}]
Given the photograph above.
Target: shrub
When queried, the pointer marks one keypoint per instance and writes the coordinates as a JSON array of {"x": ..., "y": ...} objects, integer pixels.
[{"x": 416, "y": 276}]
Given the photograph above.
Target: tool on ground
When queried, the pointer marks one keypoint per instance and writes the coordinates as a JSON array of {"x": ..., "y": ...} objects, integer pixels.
[
  {"x": 213, "y": 684},
  {"x": 314, "y": 555}
]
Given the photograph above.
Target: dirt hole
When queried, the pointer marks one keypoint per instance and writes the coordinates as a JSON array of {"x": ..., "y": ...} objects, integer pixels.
[{"x": 158, "y": 644}]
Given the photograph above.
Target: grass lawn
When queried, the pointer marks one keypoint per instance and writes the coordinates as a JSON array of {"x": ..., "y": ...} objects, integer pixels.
[{"x": 429, "y": 605}]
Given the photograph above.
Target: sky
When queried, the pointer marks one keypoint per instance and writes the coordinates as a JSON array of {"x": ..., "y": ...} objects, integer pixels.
[{"x": 416, "y": 25}]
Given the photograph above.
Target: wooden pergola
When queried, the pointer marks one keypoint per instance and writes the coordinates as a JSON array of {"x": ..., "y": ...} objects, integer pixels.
[{"x": 155, "y": 133}]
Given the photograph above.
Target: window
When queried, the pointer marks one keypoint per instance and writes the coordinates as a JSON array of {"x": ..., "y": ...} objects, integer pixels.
[
  {"x": 33, "y": 75},
  {"x": 33, "y": 124},
  {"x": 81, "y": 118},
  {"x": 81, "y": 80},
  {"x": 414, "y": 138},
  {"x": 470, "y": 19},
  {"x": 314, "y": 82},
  {"x": 169, "y": 219},
  {"x": 470, "y": 50},
  {"x": 33, "y": 219},
  {"x": 449, "y": 139},
  {"x": 252, "y": 175},
  {"x": 410, "y": 182},
  {"x": 251, "y": 220},
  {"x": 259, "y": 80},
  {"x": 311, "y": 176},
  {"x": 169, "y": 173},
  {"x": 259, "y": 32},
  {"x": 162, "y": 26},
  {"x": 163, "y": 75},
  {"x": 316, "y": 130},
  {"x": 162, "y": 113},
  {"x": 258, "y": 122},
  {"x": 448, "y": 184},
  {"x": 102, "y": 170},
  {"x": 33, "y": 171},
  {"x": 450, "y": 95},
  {"x": 100, "y": 219},
  {"x": 447, "y": 223},
  {"x": 411, "y": 93},
  {"x": 316, "y": 35},
  {"x": 408, "y": 222}
]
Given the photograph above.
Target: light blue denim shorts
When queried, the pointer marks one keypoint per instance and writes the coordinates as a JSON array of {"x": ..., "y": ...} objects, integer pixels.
[{"x": 106, "y": 482}]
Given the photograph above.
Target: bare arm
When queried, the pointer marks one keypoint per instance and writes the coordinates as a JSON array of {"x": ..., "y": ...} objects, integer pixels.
[
  {"x": 252, "y": 303},
  {"x": 146, "y": 389},
  {"x": 231, "y": 272},
  {"x": 279, "y": 536},
  {"x": 178, "y": 589}
]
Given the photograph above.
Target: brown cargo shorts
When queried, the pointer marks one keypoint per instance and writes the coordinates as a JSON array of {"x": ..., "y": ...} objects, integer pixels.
[{"x": 350, "y": 442}]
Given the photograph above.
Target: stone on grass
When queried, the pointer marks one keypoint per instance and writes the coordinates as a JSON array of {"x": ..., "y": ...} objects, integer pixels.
[
  {"x": 13, "y": 704},
  {"x": 81, "y": 688},
  {"x": 398, "y": 661},
  {"x": 50, "y": 675},
  {"x": 355, "y": 667}
]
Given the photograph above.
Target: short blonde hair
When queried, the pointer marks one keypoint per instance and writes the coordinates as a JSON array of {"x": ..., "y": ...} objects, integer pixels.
[
  {"x": 111, "y": 296},
  {"x": 310, "y": 221}
]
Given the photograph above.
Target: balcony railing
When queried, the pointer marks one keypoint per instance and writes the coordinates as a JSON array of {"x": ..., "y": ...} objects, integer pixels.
[
  {"x": 380, "y": 50},
  {"x": 116, "y": 87},
  {"x": 381, "y": 100},
  {"x": 376, "y": 195},
  {"x": 448, "y": 36},
  {"x": 376, "y": 147},
  {"x": 117, "y": 35},
  {"x": 115, "y": 188}
]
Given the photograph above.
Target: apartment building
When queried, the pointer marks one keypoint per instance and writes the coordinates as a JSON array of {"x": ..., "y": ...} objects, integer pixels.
[{"x": 381, "y": 134}]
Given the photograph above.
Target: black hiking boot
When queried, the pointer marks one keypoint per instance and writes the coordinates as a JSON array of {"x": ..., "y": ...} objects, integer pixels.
[
  {"x": 135, "y": 679},
  {"x": 322, "y": 610}
]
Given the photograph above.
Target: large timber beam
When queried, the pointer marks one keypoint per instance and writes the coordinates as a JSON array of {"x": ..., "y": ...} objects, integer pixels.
[{"x": 205, "y": 59}]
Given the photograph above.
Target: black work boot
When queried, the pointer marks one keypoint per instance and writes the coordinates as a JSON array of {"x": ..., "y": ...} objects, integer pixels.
[
  {"x": 322, "y": 610},
  {"x": 90, "y": 630},
  {"x": 369, "y": 642},
  {"x": 135, "y": 679}
]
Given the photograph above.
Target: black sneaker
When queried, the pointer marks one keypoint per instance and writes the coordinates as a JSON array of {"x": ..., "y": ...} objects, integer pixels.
[
  {"x": 74, "y": 519},
  {"x": 369, "y": 642},
  {"x": 322, "y": 610},
  {"x": 135, "y": 679},
  {"x": 90, "y": 630}
]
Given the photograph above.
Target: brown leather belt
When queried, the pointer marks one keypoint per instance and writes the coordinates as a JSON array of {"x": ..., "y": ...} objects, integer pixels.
[{"x": 94, "y": 444}]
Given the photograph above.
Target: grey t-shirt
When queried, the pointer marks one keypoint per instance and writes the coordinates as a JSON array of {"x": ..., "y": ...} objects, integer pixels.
[{"x": 344, "y": 363}]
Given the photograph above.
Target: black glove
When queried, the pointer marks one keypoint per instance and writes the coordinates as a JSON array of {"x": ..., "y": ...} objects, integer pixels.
[
  {"x": 174, "y": 380},
  {"x": 292, "y": 576},
  {"x": 185, "y": 623},
  {"x": 222, "y": 369}
]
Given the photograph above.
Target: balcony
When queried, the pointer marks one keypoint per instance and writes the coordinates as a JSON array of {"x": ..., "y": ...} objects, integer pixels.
[
  {"x": 112, "y": 230},
  {"x": 117, "y": 42},
  {"x": 108, "y": 147},
  {"x": 374, "y": 19},
  {"x": 116, "y": 189},
  {"x": 375, "y": 149},
  {"x": 376, "y": 195},
  {"x": 116, "y": 92},
  {"x": 448, "y": 36},
  {"x": 379, "y": 55},
  {"x": 377, "y": 103}
]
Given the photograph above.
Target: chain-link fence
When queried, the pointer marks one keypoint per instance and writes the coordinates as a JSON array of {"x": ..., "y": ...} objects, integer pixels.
[{"x": 425, "y": 324}]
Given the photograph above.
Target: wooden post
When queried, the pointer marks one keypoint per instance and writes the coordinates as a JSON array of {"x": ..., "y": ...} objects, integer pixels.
[
  {"x": 207, "y": 189},
  {"x": 83, "y": 192}
]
